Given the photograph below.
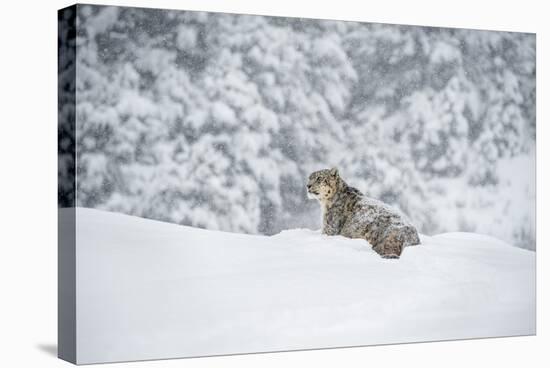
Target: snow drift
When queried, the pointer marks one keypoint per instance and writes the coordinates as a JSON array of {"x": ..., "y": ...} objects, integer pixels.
[{"x": 147, "y": 290}]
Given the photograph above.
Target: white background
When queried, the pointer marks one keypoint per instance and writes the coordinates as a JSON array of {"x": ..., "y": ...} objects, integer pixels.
[{"x": 28, "y": 83}]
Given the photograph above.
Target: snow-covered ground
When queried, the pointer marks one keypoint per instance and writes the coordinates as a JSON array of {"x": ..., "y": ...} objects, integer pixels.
[{"x": 148, "y": 289}]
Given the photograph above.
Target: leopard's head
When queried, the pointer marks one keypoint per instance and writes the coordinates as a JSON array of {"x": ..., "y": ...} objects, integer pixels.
[{"x": 322, "y": 184}]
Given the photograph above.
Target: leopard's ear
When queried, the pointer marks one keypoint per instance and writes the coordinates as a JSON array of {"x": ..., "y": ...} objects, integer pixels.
[{"x": 334, "y": 172}]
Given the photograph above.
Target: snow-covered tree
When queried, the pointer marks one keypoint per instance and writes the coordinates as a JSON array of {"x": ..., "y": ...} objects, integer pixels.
[
  {"x": 215, "y": 120},
  {"x": 66, "y": 107}
]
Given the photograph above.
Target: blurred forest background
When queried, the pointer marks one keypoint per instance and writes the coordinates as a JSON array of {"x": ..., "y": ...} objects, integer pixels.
[{"x": 216, "y": 120}]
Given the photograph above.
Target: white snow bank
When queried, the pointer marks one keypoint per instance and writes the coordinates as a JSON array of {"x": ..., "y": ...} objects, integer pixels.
[{"x": 147, "y": 290}]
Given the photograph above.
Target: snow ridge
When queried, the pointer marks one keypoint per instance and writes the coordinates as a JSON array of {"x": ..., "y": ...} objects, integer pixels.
[{"x": 147, "y": 290}]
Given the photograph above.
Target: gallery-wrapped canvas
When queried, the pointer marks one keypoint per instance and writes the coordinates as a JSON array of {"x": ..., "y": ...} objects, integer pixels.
[{"x": 241, "y": 183}]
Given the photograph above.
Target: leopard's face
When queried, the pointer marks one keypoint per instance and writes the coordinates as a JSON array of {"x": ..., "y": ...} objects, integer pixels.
[{"x": 322, "y": 184}]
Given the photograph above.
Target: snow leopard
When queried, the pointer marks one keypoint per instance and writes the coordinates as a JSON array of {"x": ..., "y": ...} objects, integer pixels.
[{"x": 346, "y": 211}]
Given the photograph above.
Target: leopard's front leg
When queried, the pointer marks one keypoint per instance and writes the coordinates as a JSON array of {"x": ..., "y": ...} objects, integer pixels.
[{"x": 332, "y": 222}]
